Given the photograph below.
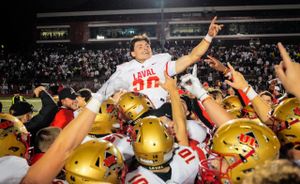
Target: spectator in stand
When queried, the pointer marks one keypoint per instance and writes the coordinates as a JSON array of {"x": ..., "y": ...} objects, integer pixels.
[
  {"x": 206, "y": 85},
  {"x": 67, "y": 105}
]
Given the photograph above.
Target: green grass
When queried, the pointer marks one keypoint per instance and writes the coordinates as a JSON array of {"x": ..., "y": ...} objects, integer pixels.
[{"x": 6, "y": 102}]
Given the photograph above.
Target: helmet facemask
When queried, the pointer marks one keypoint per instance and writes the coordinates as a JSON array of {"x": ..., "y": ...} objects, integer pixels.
[
  {"x": 286, "y": 118},
  {"x": 237, "y": 147}
]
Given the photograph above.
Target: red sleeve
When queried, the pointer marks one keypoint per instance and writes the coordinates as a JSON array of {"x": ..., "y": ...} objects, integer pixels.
[
  {"x": 35, "y": 158},
  {"x": 243, "y": 97},
  {"x": 205, "y": 114},
  {"x": 62, "y": 118}
]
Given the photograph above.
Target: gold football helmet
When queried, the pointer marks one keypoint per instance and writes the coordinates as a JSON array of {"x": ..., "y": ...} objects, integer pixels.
[
  {"x": 287, "y": 119},
  {"x": 13, "y": 137},
  {"x": 107, "y": 116},
  {"x": 133, "y": 105},
  {"x": 240, "y": 145},
  {"x": 152, "y": 144},
  {"x": 94, "y": 161},
  {"x": 233, "y": 105}
]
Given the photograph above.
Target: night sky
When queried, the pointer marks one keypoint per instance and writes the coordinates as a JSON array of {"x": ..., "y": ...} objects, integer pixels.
[
  {"x": 18, "y": 17},
  {"x": 17, "y": 24}
]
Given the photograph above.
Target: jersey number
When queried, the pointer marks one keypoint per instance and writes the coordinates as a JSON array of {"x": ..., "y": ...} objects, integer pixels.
[
  {"x": 112, "y": 137},
  {"x": 187, "y": 155},
  {"x": 141, "y": 84}
]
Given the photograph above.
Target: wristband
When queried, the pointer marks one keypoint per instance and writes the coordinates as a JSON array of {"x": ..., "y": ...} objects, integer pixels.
[
  {"x": 94, "y": 104},
  {"x": 251, "y": 94},
  {"x": 208, "y": 38},
  {"x": 206, "y": 97},
  {"x": 203, "y": 97},
  {"x": 246, "y": 89}
]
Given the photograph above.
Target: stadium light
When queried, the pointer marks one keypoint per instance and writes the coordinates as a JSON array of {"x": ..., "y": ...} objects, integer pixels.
[{"x": 98, "y": 37}]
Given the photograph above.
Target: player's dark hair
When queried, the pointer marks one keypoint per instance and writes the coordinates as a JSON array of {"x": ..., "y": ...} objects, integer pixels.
[
  {"x": 137, "y": 38},
  {"x": 267, "y": 93}
]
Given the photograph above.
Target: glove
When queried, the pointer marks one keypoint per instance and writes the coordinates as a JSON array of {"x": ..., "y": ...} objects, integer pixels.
[
  {"x": 193, "y": 85},
  {"x": 194, "y": 72}
]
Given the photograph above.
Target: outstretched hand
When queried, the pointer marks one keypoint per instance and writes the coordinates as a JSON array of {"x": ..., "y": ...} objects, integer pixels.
[
  {"x": 239, "y": 81},
  {"x": 215, "y": 63},
  {"x": 117, "y": 95},
  {"x": 288, "y": 72},
  {"x": 38, "y": 90},
  {"x": 214, "y": 28}
]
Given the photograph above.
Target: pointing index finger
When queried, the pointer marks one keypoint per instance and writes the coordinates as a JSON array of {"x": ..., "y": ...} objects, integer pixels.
[
  {"x": 230, "y": 67},
  {"x": 214, "y": 20},
  {"x": 284, "y": 54}
]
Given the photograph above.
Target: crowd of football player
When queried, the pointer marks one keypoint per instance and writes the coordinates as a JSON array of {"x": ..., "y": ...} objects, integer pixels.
[{"x": 200, "y": 134}]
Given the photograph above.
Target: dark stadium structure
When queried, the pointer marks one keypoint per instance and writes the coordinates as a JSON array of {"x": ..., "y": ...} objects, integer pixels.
[
  {"x": 91, "y": 21},
  {"x": 66, "y": 40}
]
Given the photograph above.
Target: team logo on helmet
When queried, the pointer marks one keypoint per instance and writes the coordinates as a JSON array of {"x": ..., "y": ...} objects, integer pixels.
[
  {"x": 297, "y": 111},
  {"x": 248, "y": 139}
]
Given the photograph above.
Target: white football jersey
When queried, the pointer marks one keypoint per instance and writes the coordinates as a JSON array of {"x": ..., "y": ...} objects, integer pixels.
[
  {"x": 185, "y": 167},
  {"x": 199, "y": 133},
  {"x": 196, "y": 131},
  {"x": 122, "y": 142},
  {"x": 142, "y": 77},
  {"x": 12, "y": 169}
]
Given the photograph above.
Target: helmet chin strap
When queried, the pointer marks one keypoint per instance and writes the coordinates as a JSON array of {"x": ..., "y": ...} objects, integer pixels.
[
  {"x": 210, "y": 176},
  {"x": 153, "y": 168},
  {"x": 162, "y": 166}
]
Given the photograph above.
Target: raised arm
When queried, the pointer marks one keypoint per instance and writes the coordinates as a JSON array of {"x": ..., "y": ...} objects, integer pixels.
[
  {"x": 177, "y": 110},
  {"x": 198, "y": 51},
  {"x": 260, "y": 106},
  {"x": 113, "y": 84},
  {"x": 46, "y": 114},
  {"x": 46, "y": 169},
  {"x": 288, "y": 72},
  {"x": 217, "y": 114},
  {"x": 216, "y": 64}
]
